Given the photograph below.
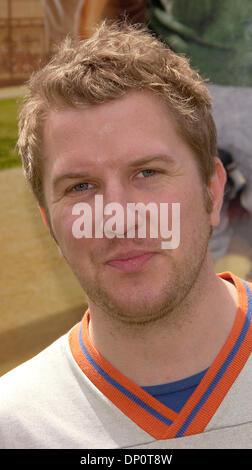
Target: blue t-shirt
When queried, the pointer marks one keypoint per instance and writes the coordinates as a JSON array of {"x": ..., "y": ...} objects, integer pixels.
[{"x": 175, "y": 394}]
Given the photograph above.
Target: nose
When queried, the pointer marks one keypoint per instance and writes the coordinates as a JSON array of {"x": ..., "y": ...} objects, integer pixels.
[
  {"x": 116, "y": 198},
  {"x": 113, "y": 212}
]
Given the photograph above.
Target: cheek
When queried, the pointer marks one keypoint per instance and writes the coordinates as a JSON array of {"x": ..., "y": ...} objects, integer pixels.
[
  {"x": 76, "y": 250},
  {"x": 62, "y": 220},
  {"x": 193, "y": 210}
]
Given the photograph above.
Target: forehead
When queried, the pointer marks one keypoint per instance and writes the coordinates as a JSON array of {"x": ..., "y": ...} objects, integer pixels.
[
  {"x": 115, "y": 131},
  {"x": 99, "y": 118}
]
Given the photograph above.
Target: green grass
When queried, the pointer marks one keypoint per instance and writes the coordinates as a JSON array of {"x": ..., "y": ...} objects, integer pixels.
[{"x": 8, "y": 133}]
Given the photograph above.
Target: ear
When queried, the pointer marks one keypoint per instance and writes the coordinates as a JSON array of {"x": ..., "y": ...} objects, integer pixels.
[
  {"x": 216, "y": 188},
  {"x": 44, "y": 216}
]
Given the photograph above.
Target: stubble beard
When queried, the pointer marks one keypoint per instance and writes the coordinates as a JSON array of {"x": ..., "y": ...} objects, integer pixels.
[{"x": 180, "y": 280}]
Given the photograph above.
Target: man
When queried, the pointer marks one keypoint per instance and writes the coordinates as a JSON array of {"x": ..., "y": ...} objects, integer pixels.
[{"x": 161, "y": 357}]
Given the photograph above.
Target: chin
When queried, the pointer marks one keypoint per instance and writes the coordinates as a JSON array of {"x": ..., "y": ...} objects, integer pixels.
[{"x": 138, "y": 309}]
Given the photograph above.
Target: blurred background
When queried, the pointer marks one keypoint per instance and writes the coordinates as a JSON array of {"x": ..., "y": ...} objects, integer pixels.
[{"x": 39, "y": 297}]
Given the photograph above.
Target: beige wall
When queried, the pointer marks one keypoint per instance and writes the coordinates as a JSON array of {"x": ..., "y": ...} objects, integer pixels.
[{"x": 22, "y": 8}]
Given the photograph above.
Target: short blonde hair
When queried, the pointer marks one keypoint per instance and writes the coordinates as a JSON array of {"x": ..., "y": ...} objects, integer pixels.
[{"x": 118, "y": 57}]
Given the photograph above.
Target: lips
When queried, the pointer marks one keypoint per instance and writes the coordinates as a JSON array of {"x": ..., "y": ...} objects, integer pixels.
[{"x": 131, "y": 262}]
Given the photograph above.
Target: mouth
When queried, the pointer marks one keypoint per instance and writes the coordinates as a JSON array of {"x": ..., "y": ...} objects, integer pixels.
[{"x": 132, "y": 263}]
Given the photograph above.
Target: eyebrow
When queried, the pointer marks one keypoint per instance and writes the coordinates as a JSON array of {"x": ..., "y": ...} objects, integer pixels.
[
  {"x": 143, "y": 161},
  {"x": 66, "y": 176},
  {"x": 136, "y": 163}
]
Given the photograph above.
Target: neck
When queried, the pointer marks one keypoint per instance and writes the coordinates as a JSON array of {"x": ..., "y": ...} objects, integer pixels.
[{"x": 181, "y": 344}]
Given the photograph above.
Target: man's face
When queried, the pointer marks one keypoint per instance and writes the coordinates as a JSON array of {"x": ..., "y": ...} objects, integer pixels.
[{"x": 128, "y": 151}]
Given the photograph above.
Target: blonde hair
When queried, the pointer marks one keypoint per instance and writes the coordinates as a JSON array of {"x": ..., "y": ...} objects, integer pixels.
[{"x": 118, "y": 57}]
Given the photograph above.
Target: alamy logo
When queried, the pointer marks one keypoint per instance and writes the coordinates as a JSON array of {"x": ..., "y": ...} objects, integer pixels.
[{"x": 115, "y": 226}]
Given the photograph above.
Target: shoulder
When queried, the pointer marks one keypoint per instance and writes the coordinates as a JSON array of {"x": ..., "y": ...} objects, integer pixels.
[
  {"x": 30, "y": 397},
  {"x": 32, "y": 379},
  {"x": 35, "y": 365},
  {"x": 235, "y": 410}
]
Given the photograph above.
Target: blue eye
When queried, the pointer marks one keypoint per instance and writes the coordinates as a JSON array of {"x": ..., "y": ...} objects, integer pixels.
[
  {"x": 148, "y": 172},
  {"x": 80, "y": 187}
]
